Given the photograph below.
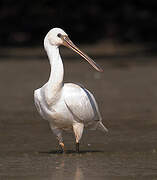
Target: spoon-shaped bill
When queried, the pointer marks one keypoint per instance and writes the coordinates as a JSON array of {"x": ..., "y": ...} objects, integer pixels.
[{"x": 68, "y": 43}]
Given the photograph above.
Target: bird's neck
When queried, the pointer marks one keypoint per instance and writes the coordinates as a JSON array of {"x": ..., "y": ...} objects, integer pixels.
[{"x": 55, "y": 82}]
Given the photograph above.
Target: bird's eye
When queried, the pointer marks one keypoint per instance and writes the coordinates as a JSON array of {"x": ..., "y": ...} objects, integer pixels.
[{"x": 59, "y": 35}]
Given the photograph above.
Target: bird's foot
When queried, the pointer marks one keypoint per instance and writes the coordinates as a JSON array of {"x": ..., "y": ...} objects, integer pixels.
[{"x": 61, "y": 144}]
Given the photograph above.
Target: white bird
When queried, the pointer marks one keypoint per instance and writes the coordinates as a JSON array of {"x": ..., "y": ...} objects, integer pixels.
[{"x": 66, "y": 106}]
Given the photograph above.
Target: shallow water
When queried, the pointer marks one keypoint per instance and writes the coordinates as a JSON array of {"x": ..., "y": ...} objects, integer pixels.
[
  {"x": 126, "y": 94},
  {"x": 93, "y": 165}
]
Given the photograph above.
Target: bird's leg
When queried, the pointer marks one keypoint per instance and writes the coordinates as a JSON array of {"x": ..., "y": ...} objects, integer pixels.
[
  {"x": 58, "y": 133},
  {"x": 77, "y": 147},
  {"x": 78, "y": 130},
  {"x": 61, "y": 144}
]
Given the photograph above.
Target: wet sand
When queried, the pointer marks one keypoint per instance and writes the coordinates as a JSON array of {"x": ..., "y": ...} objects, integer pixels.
[{"x": 127, "y": 96}]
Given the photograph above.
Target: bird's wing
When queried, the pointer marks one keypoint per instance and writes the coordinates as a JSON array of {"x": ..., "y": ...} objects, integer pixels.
[{"x": 81, "y": 103}]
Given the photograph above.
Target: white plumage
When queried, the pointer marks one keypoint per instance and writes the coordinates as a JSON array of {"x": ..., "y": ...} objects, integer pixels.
[{"x": 66, "y": 106}]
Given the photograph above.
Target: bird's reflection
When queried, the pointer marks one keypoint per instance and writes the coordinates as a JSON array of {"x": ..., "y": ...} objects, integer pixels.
[{"x": 67, "y": 168}]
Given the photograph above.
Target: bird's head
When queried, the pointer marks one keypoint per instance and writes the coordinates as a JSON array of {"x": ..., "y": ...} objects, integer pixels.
[
  {"x": 57, "y": 37},
  {"x": 53, "y": 37}
]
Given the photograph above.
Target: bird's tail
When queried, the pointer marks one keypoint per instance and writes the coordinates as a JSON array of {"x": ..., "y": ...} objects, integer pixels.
[{"x": 101, "y": 127}]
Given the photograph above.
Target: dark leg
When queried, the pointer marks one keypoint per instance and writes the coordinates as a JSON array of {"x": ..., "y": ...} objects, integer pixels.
[
  {"x": 78, "y": 130},
  {"x": 77, "y": 147}
]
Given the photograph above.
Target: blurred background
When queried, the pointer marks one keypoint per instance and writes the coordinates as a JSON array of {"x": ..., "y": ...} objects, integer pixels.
[
  {"x": 25, "y": 23},
  {"x": 120, "y": 35}
]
